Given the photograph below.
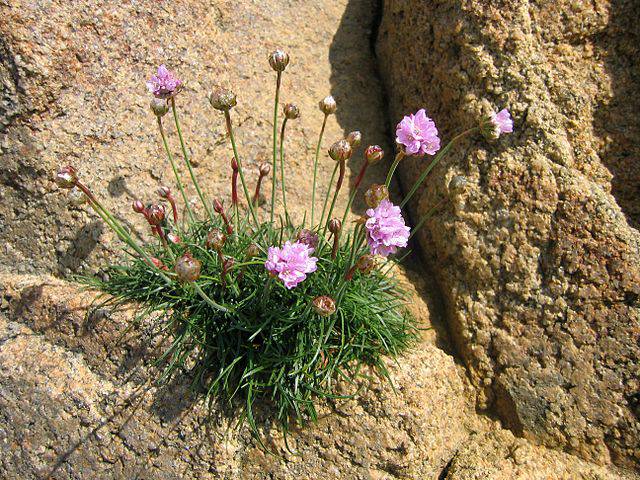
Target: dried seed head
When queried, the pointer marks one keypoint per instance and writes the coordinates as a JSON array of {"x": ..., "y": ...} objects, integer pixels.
[
  {"x": 291, "y": 111},
  {"x": 335, "y": 225},
  {"x": 324, "y": 305},
  {"x": 66, "y": 177},
  {"x": 155, "y": 214},
  {"x": 265, "y": 169},
  {"x": 340, "y": 151},
  {"x": 222, "y": 99},
  {"x": 279, "y": 60},
  {"x": 366, "y": 263},
  {"x": 77, "y": 198},
  {"x": 354, "y": 138},
  {"x": 217, "y": 206},
  {"x": 164, "y": 192},
  {"x": 328, "y": 105},
  {"x": 159, "y": 107},
  {"x": 375, "y": 194},
  {"x": 216, "y": 239},
  {"x": 187, "y": 268},
  {"x": 373, "y": 154},
  {"x": 252, "y": 251},
  {"x": 138, "y": 206},
  {"x": 308, "y": 237}
]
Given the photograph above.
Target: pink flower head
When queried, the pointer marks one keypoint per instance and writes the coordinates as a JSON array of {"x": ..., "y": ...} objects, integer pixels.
[
  {"x": 291, "y": 263},
  {"x": 502, "y": 121},
  {"x": 164, "y": 84},
  {"x": 386, "y": 230},
  {"x": 418, "y": 134}
]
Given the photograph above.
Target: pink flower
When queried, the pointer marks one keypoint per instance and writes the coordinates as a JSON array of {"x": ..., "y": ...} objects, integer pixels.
[
  {"x": 386, "y": 230},
  {"x": 291, "y": 263},
  {"x": 164, "y": 84},
  {"x": 502, "y": 121},
  {"x": 418, "y": 134}
]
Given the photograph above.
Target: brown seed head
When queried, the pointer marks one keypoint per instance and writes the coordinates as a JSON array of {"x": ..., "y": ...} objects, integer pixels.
[
  {"x": 159, "y": 107},
  {"x": 279, "y": 60},
  {"x": 324, "y": 305},
  {"x": 291, "y": 111},
  {"x": 354, "y": 138},
  {"x": 216, "y": 239},
  {"x": 328, "y": 105},
  {"x": 334, "y": 225},
  {"x": 187, "y": 268},
  {"x": 265, "y": 168},
  {"x": 340, "y": 151},
  {"x": 223, "y": 99},
  {"x": 366, "y": 263},
  {"x": 375, "y": 194},
  {"x": 155, "y": 214},
  {"x": 66, "y": 177}
]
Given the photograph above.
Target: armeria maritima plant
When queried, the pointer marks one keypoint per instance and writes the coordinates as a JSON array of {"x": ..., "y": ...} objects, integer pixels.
[{"x": 266, "y": 309}]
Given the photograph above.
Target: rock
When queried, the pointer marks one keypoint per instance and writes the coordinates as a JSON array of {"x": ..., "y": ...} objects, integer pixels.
[{"x": 538, "y": 264}]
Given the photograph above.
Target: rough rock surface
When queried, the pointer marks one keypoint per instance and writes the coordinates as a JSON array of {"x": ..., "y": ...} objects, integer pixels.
[
  {"x": 78, "y": 401},
  {"x": 537, "y": 262}
]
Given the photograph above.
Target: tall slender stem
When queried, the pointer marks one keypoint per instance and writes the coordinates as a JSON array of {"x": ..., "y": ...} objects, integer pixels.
[
  {"x": 326, "y": 198},
  {"x": 424, "y": 218},
  {"x": 207, "y": 299},
  {"x": 284, "y": 196},
  {"x": 315, "y": 172},
  {"x": 394, "y": 165},
  {"x": 175, "y": 170},
  {"x": 186, "y": 159},
  {"x": 352, "y": 197},
  {"x": 275, "y": 144},
  {"x": 342, "y": 166},
  {"x": 440, "y": 155},
  {"x": 227, "y": 117}
]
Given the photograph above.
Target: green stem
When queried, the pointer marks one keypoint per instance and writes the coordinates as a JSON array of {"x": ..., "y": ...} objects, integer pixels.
[
  {"x": 326, "y": 198},
  {"x": 186, "y": 159},
  {"x": 275, "y": 144},
  {"x": 424, "y": 218},
  {"x": 206, "y": 298},
  {"x": 394, "y": 165},
  {"x": 175, "y": 170},
  {"x": 284, "y": 197},
  {"x": 315, "y": 172},
  {"x": 227, "y": 117},
  {"x": 433, "y": 163}
]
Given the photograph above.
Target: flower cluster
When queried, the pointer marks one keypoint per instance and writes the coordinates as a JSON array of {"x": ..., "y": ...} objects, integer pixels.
[{"x": 227, "y": 272}]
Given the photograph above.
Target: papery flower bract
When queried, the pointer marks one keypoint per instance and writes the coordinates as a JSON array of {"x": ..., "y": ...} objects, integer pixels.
[
  {"x": 418, "y": 134},
  {"x": 164, "y": 84},
  {"x": 502, "y": 121},
  {"x": 386, "y": 230},
  {"x": 291, "y": 263}
]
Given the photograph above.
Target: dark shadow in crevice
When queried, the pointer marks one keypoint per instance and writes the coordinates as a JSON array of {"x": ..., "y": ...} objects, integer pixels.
[
  {"x": 617, "y": 120},
  {"x": 363, "y": 105}
]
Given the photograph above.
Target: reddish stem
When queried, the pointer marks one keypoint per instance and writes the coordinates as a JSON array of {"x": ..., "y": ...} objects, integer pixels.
[
  {"x": 336, "y": 241},
  {"x": 256, "y": 195},
  {"x": 361, "y": 175},
  {"x": 234, "y": 187},
  {"x": 174, "y": 208}
]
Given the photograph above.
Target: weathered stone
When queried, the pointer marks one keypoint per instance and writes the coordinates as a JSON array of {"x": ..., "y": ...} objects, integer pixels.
[{"x": 538, "y": 265}]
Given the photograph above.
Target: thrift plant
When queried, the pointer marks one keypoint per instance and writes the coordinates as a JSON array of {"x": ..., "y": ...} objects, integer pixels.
[{"x": 267, "y": 309}]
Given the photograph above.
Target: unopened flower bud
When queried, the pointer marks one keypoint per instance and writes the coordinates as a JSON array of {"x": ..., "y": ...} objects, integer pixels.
[
  {"x": 366, "y": 263},
  {"x": 265, "y": 169},
  {"x": 279, "y": 60},
  {"x": 373, "y": 154},
  {"x": 158, "y": 263},
  {"x": 328, "y": 105},
  {"x": 77, "y": 198},
  {"x": 340, "y": 151},
  {"x": 252, "y": 251},
  {"x": 234, "y": 164},
  {"x": 66, "y": 177},
  {"x": 308, "y": 237},
  {"x": 173, "y": 238},
  {"x": 222, "y": 99},
  {"x": 291, "y": 111},
  {"x": 137, "y": 206},
  {"x": 164, "y": 192},
  {"x": 324, "y": 305},
  {"x": 217, "y": 206},
  {"x": 490, "y": 131},
  {"x": 354, "y": 138},
  {"x": 216, "y": 239},
  {"x": 335, "y": 225},
  {"x": 159, "y": 107},
  {"x": 155, "y": 214},
  {"x": 187, "y": 268},
  {"x": 375, "y": 194}
]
